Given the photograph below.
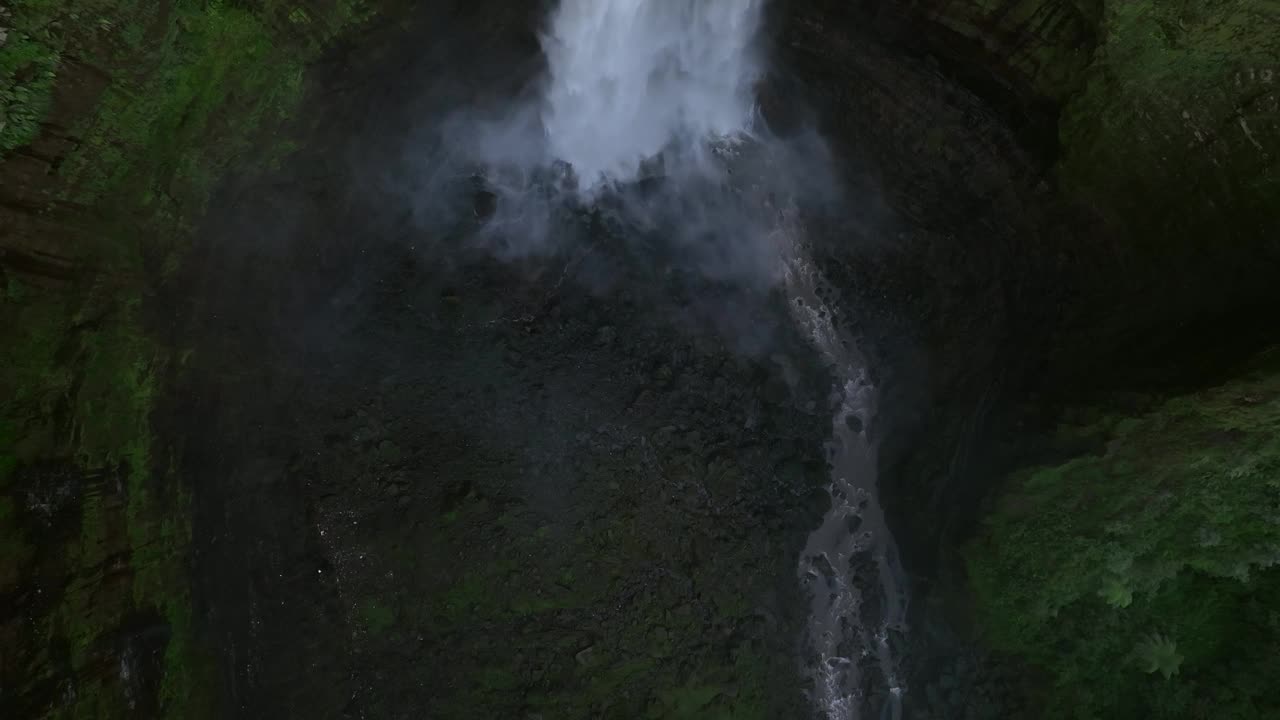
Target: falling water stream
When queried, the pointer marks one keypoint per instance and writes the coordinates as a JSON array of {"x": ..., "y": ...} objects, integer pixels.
[{"x": 631, "y": 80}]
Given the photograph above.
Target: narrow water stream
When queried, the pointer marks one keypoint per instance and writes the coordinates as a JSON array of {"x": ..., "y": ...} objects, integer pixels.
[{"x": 850, "y": 564}]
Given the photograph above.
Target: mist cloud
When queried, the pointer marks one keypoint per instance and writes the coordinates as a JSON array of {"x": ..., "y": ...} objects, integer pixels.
[{"x": 644, "y": 118}]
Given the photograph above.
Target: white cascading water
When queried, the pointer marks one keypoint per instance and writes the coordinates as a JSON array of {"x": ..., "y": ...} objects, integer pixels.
[
  {"x": 632, "y": 80},
  {"x": 629, "y": 79}
]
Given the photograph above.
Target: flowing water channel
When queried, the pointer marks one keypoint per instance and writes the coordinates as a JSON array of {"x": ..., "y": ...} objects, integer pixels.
[{"x": 850, "y": 564}]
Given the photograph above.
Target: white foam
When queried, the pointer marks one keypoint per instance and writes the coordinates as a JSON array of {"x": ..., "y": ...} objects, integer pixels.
[{"x": 632, "y": 78}]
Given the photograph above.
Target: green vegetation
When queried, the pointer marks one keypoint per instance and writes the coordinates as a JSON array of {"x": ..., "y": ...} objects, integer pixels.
[
  {"x": 163, "y": 100},
  {"x": 77, "y": 432},
  {"x": 220, "y": 73},
  {"x": 190, "y": 88},
  {"x": 1142, "y": 578},
  {"x": 27, "y": 70},
  {"x": 1166, "y": 109},
  {"x": 1173, "y": 134},
  {"x": 1137, "y": 578}
]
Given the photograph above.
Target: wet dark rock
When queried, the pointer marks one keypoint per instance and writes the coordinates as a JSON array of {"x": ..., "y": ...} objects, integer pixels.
[{"x": 389, "y": 452}]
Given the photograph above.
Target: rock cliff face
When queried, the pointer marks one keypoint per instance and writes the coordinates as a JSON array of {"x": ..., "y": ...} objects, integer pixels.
[
  {"x": 1047, "y": 188},
  {"x": 1083, "y": 203},
  {"x": 116, "y": 121},
  {"x": 1161, "y": 118},
  {"x": 1052, "y": 205}
]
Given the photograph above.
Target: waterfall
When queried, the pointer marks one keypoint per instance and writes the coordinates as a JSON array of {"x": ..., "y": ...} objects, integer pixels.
[
  {"x": 631, "y": 79},
  {"x": 635, "y": 82}
]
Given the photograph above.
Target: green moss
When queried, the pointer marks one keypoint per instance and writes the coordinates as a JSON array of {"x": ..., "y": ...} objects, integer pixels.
[
  {"x": 1154, "y": 553},
  {"x": 196, "y": 89},
  {"x": 1168, "y": 110},
  {"x": 220, "y": 74},
  {"x": 194, "y": 84},
  {"x": 83, "y": 388},
  {"x": 1176, "y": 122},
  {"x": 28, "y": 67}
]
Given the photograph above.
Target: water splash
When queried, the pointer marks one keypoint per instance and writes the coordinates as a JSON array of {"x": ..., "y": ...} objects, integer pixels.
[{"x": 632, "y": 79}]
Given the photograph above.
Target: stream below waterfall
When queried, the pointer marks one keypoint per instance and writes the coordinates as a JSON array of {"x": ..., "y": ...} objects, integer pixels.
[{"x": 850, "y": 564}]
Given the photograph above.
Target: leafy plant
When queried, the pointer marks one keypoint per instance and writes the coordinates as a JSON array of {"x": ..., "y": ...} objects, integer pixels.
[
  {"x": 1174, "y": 524},
  {"x": 1157, "y": 653}
]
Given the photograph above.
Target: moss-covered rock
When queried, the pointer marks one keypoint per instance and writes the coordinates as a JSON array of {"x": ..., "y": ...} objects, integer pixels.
[
  {"x": 1168, "y": 114},
  {"x": 27, "y": 70},
  {"x": 95, "y": 530},
  {"x": 1175, "y": 135},
  {"x": 1138, "y": 577},
  {"x": 117, "y": 119}
]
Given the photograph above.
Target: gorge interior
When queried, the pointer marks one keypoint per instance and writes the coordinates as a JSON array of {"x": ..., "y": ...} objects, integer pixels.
[{"x": 664, "y": 89}]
